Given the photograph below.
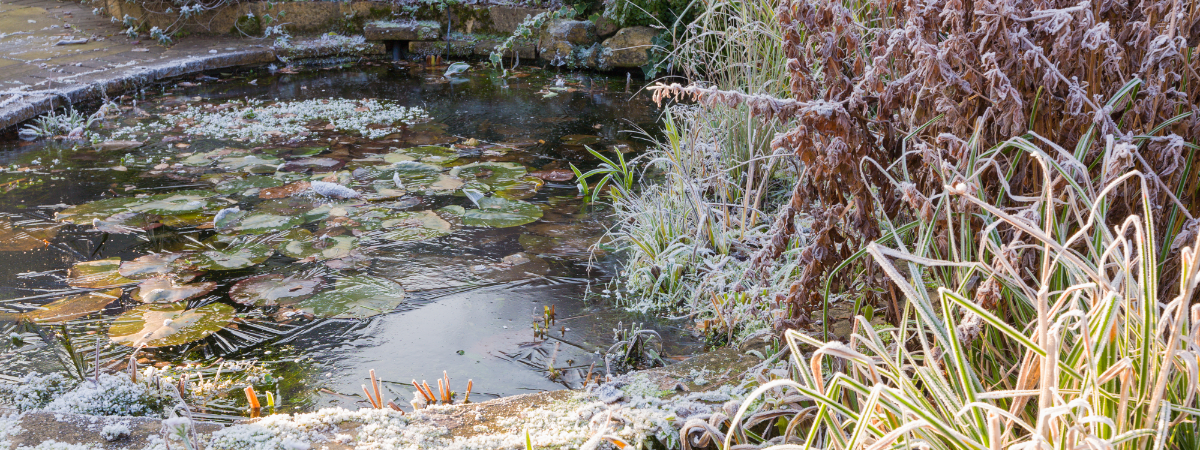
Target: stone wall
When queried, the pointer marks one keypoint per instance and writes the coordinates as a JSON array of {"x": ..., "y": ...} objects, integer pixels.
[{"x": 466, "y": 30}]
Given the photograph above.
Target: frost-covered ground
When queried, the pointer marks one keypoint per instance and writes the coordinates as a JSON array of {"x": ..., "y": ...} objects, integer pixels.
[{"x": 631, "y": 409}]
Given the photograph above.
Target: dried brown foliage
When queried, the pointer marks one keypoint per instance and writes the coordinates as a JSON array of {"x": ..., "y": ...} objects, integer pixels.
[{"x": 1106, "y": 87}]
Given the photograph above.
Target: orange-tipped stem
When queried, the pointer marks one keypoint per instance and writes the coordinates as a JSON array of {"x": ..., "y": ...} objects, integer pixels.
[
  {"x": 392, "y": 405},
  {"x": 422, "y": 391},
  {"x": 370, "y": 398},
  {"x": 375, "y": 386},
  {"x": 446, "y": 397},
  {"x": 467, "y": 397},
  {"x": 252, "y": 398},
  {"x": 432, "y": 399},
  {"x": 441, "y": 391}
]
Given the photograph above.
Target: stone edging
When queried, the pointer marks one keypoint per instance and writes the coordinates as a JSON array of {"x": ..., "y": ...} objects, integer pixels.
[{"x": 27, "y": 105}]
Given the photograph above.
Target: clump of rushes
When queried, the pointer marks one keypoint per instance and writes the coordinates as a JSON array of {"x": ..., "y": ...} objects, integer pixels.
[{"x": 425, "y": 396}]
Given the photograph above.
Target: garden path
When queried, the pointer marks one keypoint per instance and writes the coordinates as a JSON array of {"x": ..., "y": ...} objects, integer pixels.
[{"x": 38, "y": 75}]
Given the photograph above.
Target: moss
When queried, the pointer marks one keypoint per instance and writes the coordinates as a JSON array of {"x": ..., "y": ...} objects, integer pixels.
[{"x": 249, "y": 25}]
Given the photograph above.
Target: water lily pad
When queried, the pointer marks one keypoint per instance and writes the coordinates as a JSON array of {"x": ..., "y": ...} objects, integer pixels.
[
  {"x": 501, "y": 213},
  {"x": 247, "y": 161},
  {"x": 151, "y": 265},
  {"x": 233, "y": 257},
  {"x": 240, "y": 185},
  {"x": 491, "y": 173},
  {"x": 412, "y": 226},
  {"x": 517, "y": 266},
  {"x": 72, "y": 307},
  {"x": 99, "y": 209},
  {"x": 554, "y": 175},
  {"x": 176, "y": 203},
  {"x": 301, "y": 151},
  {"x": 165, "y": 289},
  {"x": 329, "y": 247},
  {"x": 355, "y": 297},
  {"x": 525, "y": 188},
  {"x": 430, "y": 154},
  {"x": 158, "y": 325},
  {"x": 22, "y": 237},
  {"x": 244, "y": 222},
  {"x": 98, "y": 274},
  {"x": 316, "y": 165},
  {"x": 273, "y": 289}
]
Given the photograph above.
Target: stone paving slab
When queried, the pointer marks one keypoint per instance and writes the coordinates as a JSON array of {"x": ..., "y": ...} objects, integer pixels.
[{"x": 37, "y": 76}]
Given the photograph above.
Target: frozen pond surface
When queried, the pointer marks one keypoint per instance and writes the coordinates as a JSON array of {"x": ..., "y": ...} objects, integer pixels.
[{"x": 304, "y": 286}]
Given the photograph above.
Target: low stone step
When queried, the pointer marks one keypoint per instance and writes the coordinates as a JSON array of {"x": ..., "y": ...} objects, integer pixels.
[{"x": 412, "y": 30}]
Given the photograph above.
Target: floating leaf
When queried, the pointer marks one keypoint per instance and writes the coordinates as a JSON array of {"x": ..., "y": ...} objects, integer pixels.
[
  {"x": 151, "y": 265},
  {"x": 273, "y": 289},
  {"x": 355, "y": 297},
  {"x": 240, "y": 185},
  {"x": 257, "y": 223},
  {"x": 248, "y": 161},
  {"x": 183, "y": 202},
  {"x": 233, "y": 257},
  {"x": 492, "y": 173},
  {"x": 517, "y": 266},
  {"x": 98, "y": 274},
  {"x": 23, "y": 238},
  {"x": 528, "y": 187},
  {"x": 72, "y": 307},
  {"x": 431, "y": 154},
  {"x": 99, "y": 209},
  {"x": 501, "y": 213},
  {"x": 169, "y": 324},
  {"x": 414, "y": 226},
  {"x": 164, "y": 289},
  {"x": 319, "y": 249},
  {"x": 316, "y": 165}
]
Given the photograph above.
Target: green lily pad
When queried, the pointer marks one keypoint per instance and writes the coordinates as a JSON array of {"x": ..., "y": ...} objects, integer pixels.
[
  {"x": 240, "y": 185},
  {"x": 300, "y": 151},
  {"x": 491, "y": 173},
  {"x": 430, "y": 154},
  {"x": 248, "y": 161},
  {"x": 273, "y": 289},
  {"x": 98, "y": 274},
  {"x": 319, "y": 249},
  {"x": 233, "y": 257},
  {"x": 525, "y": 188},
  {"x": 355, "y": 297},
  {"x": 159, "y": 325},
  {"x": 22, "y": 238},
  {"x": 244, "y": 222},
  {"x": 177, "y": 203},
  {"x": 501, "y": 213},
  {"x": 164, "y": 289},
  {"x": 409, "y": 226},
  {"x": 99, "y": 209},
  {"x": 72, "y": 307},
  {"x": 152, "y": 265}
]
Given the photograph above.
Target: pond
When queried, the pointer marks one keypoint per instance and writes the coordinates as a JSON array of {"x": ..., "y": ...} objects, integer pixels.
[{"x": 295, "y": 230}]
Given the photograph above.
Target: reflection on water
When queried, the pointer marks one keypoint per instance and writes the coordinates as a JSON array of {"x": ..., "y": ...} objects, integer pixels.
[{"x": 318, "y": 300}]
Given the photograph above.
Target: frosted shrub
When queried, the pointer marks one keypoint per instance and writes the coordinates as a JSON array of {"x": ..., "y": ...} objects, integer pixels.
[
  {"x": 115, "y": 431},
  {"x": 36, "y": 390},
  {"x": 110, "y": 395}
]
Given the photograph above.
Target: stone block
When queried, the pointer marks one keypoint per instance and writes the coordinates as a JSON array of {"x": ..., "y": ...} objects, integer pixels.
[
  {"x": 629, "y": 48},
  {"x": 402, "y": 31},
  {"x": 506, "y": 19}
]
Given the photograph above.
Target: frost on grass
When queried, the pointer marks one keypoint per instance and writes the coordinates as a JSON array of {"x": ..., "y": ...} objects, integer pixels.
[
  {"x": 115, "y": 431},
  {"x": 36, "y": 391},
  {"x": 258, "y": 121},
  {"x": 572, "y": 423},
  {"x": 109, "y": 395}
]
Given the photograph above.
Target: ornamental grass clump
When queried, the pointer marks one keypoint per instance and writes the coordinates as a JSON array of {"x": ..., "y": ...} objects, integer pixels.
[{"x": 1096, "y": 346}]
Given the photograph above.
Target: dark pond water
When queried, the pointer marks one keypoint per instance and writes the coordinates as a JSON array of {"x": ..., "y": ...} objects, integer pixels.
[{"x": 302, "y": 293}]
